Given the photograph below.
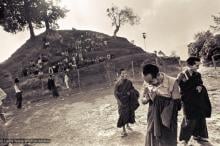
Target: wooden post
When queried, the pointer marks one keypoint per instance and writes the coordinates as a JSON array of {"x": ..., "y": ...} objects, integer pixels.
[
  {"x": 213, "y": 60},
  {"x": 156, "y": 58},
  {"x": 181, "y": 66},
  {"x": 107, "y": 72},
  {"x": 42, "y": 85},
  {"x": 132, "y": 65},
  {"x": 79, "y": 83}
]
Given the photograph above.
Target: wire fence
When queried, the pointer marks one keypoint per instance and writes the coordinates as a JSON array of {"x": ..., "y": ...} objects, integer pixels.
[
  {"x": 215, "y": 59},
  {"x": 93, "y": 77}
]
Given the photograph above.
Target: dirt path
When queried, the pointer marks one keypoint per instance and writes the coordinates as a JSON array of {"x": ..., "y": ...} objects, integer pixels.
[{"x": 90, "y": 119}]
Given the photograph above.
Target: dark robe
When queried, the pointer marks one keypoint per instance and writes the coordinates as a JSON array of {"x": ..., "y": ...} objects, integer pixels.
[
  {"x": 196, "y": 106},
  {"x": 129, "y": 102},
  {"x": 162, "y": 122},
  {"x": 51, "y": 86}
]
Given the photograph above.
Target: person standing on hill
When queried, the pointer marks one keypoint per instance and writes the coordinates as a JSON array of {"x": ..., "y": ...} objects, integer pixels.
[
  {"x": 196, "y": 103},
  {"x": 66, "y": 80},
  {"x": 18, "y": 93},
  {"x": 127, "y": 99},
  {"x": 52, "y": 86}
]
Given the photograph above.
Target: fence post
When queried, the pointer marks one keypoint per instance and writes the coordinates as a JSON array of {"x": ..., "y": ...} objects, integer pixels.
[
  {"x": 213, "y": 60},
  {"x": 132, "y": 65},
  {"x": 79, "y": 83},
  {"x": 181, "y": 66},
  {"x": 106, "y": 65}
]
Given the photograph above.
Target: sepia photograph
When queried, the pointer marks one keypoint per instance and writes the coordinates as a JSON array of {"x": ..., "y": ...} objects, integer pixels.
[{"x": 109, "y": 72}]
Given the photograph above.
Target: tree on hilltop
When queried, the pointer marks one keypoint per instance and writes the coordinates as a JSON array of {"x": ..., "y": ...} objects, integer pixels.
[{"x": 120, "y": 17}]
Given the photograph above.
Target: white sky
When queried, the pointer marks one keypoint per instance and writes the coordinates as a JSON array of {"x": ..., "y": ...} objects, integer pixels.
[{"x": 170, "y": 24}]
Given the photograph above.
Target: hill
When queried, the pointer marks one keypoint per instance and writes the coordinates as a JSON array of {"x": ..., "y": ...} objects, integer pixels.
[
  {"x": 90, "y": 58},
  {"x": 85, "y": 43}
]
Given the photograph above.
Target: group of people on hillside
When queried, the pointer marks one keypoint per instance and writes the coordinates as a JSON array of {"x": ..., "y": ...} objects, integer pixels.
[
  {"x": 166, "y": 96},
  {"x": 72, "y": 57}
]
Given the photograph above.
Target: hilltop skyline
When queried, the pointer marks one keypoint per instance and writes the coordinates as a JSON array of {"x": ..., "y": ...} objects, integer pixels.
[{"x": 169, "y": 24}]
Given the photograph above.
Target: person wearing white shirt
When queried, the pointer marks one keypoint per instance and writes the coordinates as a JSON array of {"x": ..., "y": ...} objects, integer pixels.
[
  {"x": 162, "y": 93},
  {"x": 66, "y": 80}
]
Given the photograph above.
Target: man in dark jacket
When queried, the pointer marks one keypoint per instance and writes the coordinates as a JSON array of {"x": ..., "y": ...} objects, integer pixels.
[
  {"x": 51, "y": 86},
  {"x": 196, "y": 103}
]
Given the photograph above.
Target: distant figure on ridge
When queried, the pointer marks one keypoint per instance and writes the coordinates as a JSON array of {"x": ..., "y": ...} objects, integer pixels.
[{"x": 66, "y": 80}]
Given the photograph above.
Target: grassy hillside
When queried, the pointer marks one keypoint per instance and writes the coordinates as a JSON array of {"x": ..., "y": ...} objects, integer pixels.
[{"x": 124, "y": 55}]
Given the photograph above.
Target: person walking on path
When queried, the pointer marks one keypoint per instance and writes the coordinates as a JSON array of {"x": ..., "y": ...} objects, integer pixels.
[
  {"x": 162, "y": 93},
  {"x": 196, "y": 103},
  {"x": 127, "y": 100}
]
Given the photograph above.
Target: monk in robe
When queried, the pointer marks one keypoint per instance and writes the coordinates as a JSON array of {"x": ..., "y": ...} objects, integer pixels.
[
  {"x": 196, "y": 103},
  {"x": 127, "y": 100},
  {"x": 162, "y": 93}
]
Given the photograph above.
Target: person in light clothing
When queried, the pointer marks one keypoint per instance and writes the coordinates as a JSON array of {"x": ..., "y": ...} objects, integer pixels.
[
  {"x": 66, "y": 80},
  {"x": 162, "y": 93}
]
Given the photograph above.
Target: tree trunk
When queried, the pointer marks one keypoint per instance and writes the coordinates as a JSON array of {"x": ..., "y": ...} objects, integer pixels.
[
  {"x": 116, "y": 30},
  {"x": 31, "y": 29},
  {"x": 28, "y": 18}
]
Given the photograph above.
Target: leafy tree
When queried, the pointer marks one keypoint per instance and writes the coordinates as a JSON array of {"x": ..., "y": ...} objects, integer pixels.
[
  {"x": 1, "y": 11},
  {"x": 121, "y": 17},
  {"x": 49, "y": 14},
  {"x": 216, "y": 20},
  {"x": 21, "y": 14},
  {"x": 12, "y": 20},
  {"x": 203, "y": 46},
  {"x": 200, "y": 38}
]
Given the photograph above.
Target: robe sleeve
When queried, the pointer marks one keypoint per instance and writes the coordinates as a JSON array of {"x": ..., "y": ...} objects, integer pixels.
[
  {"x": 117, "y": 94},
  {"x": 176, "y": 95},
  {"x": 176, "y": 91},
  {"x": 199, "y": 79},
  {"x": 116, "y": 90}
]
